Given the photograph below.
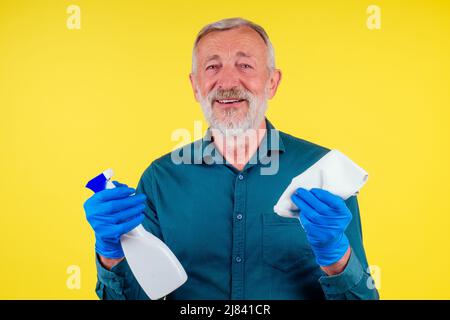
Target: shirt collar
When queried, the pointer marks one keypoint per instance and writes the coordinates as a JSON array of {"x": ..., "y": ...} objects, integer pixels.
[{"x": 203, "y": 148}]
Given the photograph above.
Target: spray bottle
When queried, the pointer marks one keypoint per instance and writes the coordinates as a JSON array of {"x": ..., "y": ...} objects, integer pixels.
[{"x": 155, "y": 267}]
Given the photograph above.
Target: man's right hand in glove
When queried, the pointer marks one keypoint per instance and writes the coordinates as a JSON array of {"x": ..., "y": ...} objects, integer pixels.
[{"x": 112, "y": 213}]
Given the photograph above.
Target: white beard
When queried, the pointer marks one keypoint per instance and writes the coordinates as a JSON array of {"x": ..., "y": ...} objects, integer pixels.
[{"x": 233, "y": 126}]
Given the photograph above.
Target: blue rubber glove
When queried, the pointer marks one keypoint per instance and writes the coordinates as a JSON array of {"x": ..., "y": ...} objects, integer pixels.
[
  {"x": 324, "y": 217},
  {"x": 112, "y": 213}
]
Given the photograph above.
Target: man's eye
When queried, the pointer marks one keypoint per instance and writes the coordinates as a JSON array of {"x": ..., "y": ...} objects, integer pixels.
[
  {"x": 245, "y": 66},
  {"x": 211, "y": 67}
]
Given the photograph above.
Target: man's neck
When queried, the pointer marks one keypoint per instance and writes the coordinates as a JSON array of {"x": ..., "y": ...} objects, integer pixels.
[{"x": 238, "y": 150}]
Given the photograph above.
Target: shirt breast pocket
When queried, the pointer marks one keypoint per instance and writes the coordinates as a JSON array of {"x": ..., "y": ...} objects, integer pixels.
[{"x": 284, "y": 242}]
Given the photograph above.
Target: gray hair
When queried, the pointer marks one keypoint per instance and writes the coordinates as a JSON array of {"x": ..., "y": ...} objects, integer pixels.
[{"x": 232, "y": 23}]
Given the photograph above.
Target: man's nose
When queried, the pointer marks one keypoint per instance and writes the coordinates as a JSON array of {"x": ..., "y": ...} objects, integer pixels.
[{"x": 228, "y": 78}]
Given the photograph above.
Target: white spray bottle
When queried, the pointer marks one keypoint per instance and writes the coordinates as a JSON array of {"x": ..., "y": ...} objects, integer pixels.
[{"x": 153, "y": 264}]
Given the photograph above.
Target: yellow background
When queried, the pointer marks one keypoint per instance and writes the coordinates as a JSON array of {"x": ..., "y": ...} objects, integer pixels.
[{"x": 75, "y": 102}]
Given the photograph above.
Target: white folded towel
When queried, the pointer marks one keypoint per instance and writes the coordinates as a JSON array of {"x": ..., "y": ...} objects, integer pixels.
[{"x": 334, "y": 172}]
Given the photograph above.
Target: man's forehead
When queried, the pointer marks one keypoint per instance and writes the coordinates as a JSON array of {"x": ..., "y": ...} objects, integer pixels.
[{"x": 237, "y": 54}]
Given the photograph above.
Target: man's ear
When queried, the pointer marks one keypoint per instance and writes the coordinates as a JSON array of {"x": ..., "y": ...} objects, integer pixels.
[
  {"x": 194, "y": 85},
  {"x": 274, "y": 81}
]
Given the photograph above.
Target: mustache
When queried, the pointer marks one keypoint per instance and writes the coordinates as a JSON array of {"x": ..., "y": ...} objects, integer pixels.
[{"x": 233, "y": 93}]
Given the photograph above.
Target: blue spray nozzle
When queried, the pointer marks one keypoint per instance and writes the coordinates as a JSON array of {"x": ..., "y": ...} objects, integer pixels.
[{"x": 99, "y": 182}]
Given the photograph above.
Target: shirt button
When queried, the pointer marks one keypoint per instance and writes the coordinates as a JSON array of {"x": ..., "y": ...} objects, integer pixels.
[
  {"x": 238, "y": 259},
  {"x": 239, "y": 216},
  {"x": 241, "y": 177}
]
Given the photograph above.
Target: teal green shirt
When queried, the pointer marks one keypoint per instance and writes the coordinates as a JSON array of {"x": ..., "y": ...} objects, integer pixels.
[{"x": 220, "y": 224}]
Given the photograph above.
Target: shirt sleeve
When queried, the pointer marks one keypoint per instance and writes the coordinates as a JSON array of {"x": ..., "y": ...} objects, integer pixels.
[
  {"x": 119, "y": 283},
  {"x": 355, "y": 282}
]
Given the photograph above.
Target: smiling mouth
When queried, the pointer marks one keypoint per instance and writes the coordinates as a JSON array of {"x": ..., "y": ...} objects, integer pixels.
[{"x": 230, "y": 102}]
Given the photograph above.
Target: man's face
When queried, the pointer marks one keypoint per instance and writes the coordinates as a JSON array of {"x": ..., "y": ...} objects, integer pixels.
[{"x": 232, "y": 80}]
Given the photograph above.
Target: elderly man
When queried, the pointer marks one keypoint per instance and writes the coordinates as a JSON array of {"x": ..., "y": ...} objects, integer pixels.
[{"x": 212, "y": 203}]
